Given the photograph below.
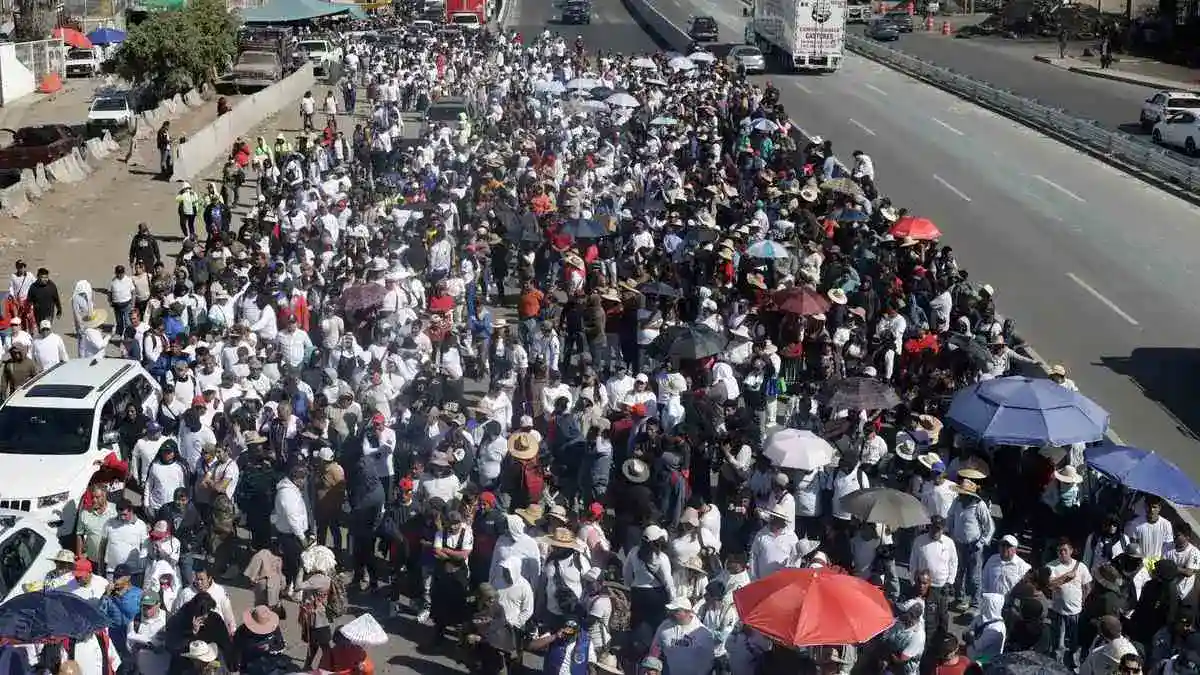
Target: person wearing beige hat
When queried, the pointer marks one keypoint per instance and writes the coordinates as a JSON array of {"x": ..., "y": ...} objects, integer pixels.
[
  {"x": 1058, "y": 375},
  {"x": 972, "y": 528},
  {"x": 937, "y": 491}
]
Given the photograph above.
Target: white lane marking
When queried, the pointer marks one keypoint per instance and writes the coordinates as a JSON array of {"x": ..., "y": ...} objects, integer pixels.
[
  {"x": 947, "y": 127},
  {"x": 862, "y": 126},
  {"x": 1060, "y": 188},
  {"x": 951, "y": 188},
  {"x": 1099, "y": 296},
  {"x": 875, "y": 89},
  {"x": 802, "y": 87}
]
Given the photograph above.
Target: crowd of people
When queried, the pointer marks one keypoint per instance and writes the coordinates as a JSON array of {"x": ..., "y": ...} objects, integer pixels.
[{"x": 522, "y": 371}]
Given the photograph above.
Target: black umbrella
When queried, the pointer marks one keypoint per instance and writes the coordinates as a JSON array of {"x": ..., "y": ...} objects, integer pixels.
[
  {"x": 584, "y": 228},
  {"x": 886, "y": 506},
  {"x": 696, "y": 341},
  {"x": 600, "y": 93},
  {"x": 363, "y": 296},
  {"x": 971, "y": 349},
  {"x": 1025, "y": 663},
  {"x": 660, "y": 289},
  {"x": 41, "y": 616},
  {"x": 859, "y": 393}
]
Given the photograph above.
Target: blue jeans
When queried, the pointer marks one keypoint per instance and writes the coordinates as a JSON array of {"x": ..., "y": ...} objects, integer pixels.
[
  {"x": 970, "y": 573},
  {"x": 121, "y": 317}
]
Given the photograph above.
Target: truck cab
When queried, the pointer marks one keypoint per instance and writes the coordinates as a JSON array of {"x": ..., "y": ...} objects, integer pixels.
[
  {"x": 320, "y": 53},
  {"x": 858, "y": 11},
  {"x": 83, "y": 62},
  {"x": 467, "y": 14}
]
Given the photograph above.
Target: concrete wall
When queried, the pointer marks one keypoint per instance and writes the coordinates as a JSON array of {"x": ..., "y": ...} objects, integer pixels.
[
  {"x": 214, "y": 141},
  {"x": 16, "y": 80}
]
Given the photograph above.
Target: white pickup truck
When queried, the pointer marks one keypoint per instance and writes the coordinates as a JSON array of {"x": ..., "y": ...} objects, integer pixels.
[
  {"x": 85, "y": 62},
  {"x": 109, "y": 112},
  {"x": 321, "y": 53}
]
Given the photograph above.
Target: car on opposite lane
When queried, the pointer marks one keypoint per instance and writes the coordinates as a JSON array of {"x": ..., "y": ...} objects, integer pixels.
[
  {"x": 1165, "y": 103},
  {"x": 901, "y": 20},
  {"x": 704, "y": 29},
  {"x": 749, "y": 57},
  {"x": 1179, "y": 130},
  {"x": 577, "y": 12},
  {"x": 883, "y": 30}
]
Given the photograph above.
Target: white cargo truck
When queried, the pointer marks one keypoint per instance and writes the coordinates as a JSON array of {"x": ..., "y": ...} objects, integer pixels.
[{"x": 799, "y": 35}]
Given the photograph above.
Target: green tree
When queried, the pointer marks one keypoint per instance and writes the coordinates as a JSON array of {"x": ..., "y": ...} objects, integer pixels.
[
  {"x": 175, "y": 50},
  {"x": 35, "y": 20}
]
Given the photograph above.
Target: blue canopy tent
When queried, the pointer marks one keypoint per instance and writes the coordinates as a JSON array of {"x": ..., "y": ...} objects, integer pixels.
[
  {"x": 286, "y": 11},
  {"x": 1025, "y": 411},
  {"x": 1144, "y": 471},
  {"x": 106, "y": 36}
]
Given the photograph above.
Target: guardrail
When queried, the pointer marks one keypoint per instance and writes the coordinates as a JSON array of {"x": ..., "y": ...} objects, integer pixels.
[{"x": 1087, "y": 134}]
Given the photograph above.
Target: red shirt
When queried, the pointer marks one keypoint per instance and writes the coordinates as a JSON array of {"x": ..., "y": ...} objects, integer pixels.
[{"x": 441, "y": 303}]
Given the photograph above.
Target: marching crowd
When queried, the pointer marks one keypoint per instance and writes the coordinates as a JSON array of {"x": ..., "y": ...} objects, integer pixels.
[{"x": 559, "y": 377}]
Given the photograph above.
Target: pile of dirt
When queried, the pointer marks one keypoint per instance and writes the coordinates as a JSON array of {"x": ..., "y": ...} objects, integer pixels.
[{"x": 1043, "y": 18}]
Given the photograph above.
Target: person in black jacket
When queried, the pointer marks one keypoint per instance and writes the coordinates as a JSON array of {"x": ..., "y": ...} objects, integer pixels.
[
  {"x": 364, "y": 492},
  {"x": 43, "y": 296},
  {"x": 197, "y": 619},
  {"x": 144, "y": 248}
]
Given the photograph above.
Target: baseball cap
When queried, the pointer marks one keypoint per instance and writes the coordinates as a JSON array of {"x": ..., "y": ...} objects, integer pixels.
[
  {"x": 83, "y": 566},
  {"x": 199, "y": 400},
  {"x": 45, "y": 324},
  {"x": 1009, "y": 540},
  {"x": 153, "y": 427},
  {"x": 679, "y": 605}
]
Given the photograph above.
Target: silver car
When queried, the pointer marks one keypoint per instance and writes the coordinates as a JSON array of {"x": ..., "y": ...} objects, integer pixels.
[{"x": 748, "y": 57}]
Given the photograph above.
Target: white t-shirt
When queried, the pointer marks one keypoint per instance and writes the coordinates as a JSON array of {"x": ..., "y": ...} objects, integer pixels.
[
  {"x": 120, "y": 290},
  {"x": 1187, "y": 559},
  {"x": 1068, "y": 597}
]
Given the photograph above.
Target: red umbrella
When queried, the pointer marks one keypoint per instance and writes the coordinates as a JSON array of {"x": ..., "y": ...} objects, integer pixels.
[
  {"x": 809, "y": 607},
  {"x": 801, "y": 300},
  {"x": 73, "y": 38},
  {"x": 915, "y": 228}
]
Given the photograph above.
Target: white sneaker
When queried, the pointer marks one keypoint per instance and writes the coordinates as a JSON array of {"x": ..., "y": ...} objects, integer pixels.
[{"x": 424, "y": 618}]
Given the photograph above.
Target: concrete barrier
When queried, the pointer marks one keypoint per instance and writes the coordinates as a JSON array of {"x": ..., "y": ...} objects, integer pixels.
[
  {"x": 14, "y": 201},
  {"x": 96, "y": 148},
  {"x": 206, "y": 145},
  {"x": 39, "y": 177},
  {"x": 192, "y": 99},
  {"x": 110, "y": 143},
  {"x": 29, "y": 182}
]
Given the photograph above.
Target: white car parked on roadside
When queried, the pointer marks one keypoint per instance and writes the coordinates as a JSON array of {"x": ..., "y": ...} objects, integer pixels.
[
  {"x": 1180, "y": 130},
  {"x": 1165, "y": 103},
  {"x": 58, "y": 427}
]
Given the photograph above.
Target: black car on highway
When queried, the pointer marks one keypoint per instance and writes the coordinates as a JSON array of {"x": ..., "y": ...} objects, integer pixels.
[
  {"x": 901, "y": 20},
  {"x": 577, "y": 12},
  {"x": 883, "y": 31},
  {"x": 704, "y": 29}
]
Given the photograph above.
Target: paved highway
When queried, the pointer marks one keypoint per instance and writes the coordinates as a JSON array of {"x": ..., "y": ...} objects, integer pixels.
[
  {"x": 1094, "y": 265},
  {"x": 612, "y": 28}
]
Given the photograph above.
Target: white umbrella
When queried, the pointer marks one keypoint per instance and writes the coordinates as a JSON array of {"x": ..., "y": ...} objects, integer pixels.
[
  {"x": 365, "y": 631},
  {"x": 593, "y": 106},
  {"x": 798, "y": 449},
  {"x": 702, "y": 57},
  {"x": 644, "y": 63},
  {"x": 682, "y": 63},
  {"x": 622, "y": 100},
  {"x": 583, "y": 83},
  {"x": 663, "y": 122},
  {"x": 765, "y": 125},
  {"x": 549, "y": 87}
]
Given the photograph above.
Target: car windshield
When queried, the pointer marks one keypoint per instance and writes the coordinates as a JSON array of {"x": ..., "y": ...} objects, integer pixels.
[
  {"x": 79, "y": 54},
  {"x": 464, "y": 19},
  {"x": 445, "y": 113},
  {"x": 314, "y": 46},
  {"x": 748, "y": 51},
  {"x": 256, "y": 59},
  {"x": 704, "y": 24},
  {"x": 1189, "y": 103},
  {"x": 45, "y": 431},
  {"x": 108, "y": 104}
]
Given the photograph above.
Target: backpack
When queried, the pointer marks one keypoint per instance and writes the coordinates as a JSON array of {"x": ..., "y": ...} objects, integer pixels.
[
  {"x": 336, "y": 603},
  {"x": 533, "y": 480},
  {"x": 618, "y": 595},
  {"x": 224, "y": 515}
]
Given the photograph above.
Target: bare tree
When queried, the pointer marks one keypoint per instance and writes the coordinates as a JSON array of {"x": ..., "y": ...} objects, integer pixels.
[{"x": 36, "y": 19}]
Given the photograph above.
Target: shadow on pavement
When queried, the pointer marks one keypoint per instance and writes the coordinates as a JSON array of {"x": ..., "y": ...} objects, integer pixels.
[
  {"x": 1166, "y": 375},
  {"x": 419, "y": 665}
]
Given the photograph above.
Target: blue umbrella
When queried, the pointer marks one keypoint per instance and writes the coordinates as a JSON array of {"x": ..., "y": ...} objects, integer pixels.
[
  {"x": 1144, "y": 471},
  {"x": 48, "y": 615},
  {"x": 1025, "y": 411},
  {"x": 106, "y": 36},
  {"x": 851, "y": 216},
  {"x": 584, "y": 228}
]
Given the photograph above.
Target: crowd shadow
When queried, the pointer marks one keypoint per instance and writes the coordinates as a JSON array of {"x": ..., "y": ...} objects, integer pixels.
[{"x": 1166, "y": 375}]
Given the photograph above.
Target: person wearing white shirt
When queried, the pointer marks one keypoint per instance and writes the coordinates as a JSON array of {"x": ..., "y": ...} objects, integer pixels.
[
  {"x": 935, "y": 553},
  {"x": 125, "y": 540},
  {"x": 514, "y": 594},
  {"x": 493, "y": 447},
  {"x": 93, "y": 342},
  {"x": 1187, "y": 558},
  {"x": 85, "y": 584},
  {"x": 48, "y": 349},
  {"x": 1152, "y": 531},
  {"x": 202, "y": 582},
  {"x": 1004, "y": 569},
  {"x": 648, "y": 575},
  {"x": 554, "y": 390},
  {"x": 848, "y": 478},
  {"x": 120, "y": 296},
  {"x": 775, "y": 547},
  {"x": 294, "y": 344},
  {"x": 1070, "y": 582},
  {"x": 439, "y": 481},
  {"x": 290, "y": 518},
  {"x": 938, "y": 495}
]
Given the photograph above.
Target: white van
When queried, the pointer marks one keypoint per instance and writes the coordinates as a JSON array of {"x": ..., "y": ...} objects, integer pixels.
[{"x": 56, "y": 429}]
